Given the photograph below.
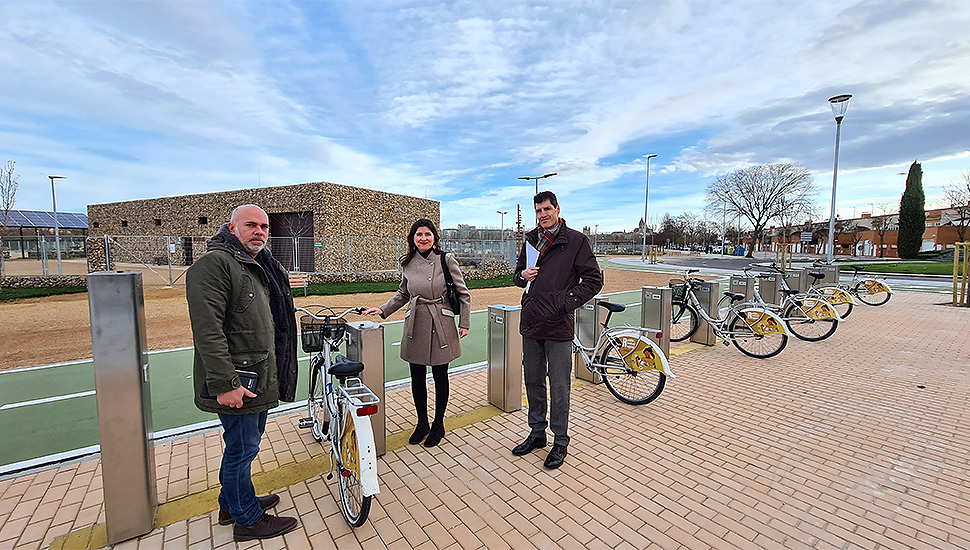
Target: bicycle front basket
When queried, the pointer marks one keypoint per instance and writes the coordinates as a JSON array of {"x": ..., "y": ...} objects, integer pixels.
[
  {"x": 315, "y": 332},
  {"x": 679, "y": 290}
]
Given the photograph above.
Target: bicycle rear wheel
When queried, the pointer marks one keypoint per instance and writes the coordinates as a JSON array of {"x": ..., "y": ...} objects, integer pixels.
[
  {"x": 753, "y": 344},
  {"x": 877, "y": 298},
  {"x": 354, "y": 505},
  {"x": 631, "y": 387},
  {"x": 842, "y": 308},
  {"x": 683, "y": 322}
]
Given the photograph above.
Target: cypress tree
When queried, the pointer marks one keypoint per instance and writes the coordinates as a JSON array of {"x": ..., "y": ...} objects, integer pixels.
[{"x": 912, "y": 214}]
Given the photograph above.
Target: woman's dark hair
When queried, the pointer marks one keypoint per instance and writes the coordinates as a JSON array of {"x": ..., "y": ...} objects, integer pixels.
[{"x": 412, "y": 248}]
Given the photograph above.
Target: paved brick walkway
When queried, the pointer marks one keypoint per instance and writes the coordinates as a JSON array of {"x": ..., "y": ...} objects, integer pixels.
[{"x": 861, "y": 441}]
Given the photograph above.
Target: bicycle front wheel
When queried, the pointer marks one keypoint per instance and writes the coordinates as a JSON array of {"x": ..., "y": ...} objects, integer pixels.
[
  {"x": 807, "y": 328},
  {"x": 631, "y": 387},
  {"x": 317, "y": 402},
  {"x": 842, "y": 308},
  {"x": 354, "y": 505},
  {"x": 683, "y": 322},
  {"x": 875, "y": 297},
  {"x": 753, "y": 344}
]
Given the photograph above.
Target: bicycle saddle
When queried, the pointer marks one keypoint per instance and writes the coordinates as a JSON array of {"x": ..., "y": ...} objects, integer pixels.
[
  {"x": 789, "y": 291},
  {"x": 816, "y": 276},
  {"x": 734, "y": 297},
  {"x": 345, "y": 367},
  {"x": 615, "y": 308}
]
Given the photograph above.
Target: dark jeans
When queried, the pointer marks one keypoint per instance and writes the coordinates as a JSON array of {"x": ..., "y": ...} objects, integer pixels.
[
  {"x": 242, "y": 434},
  {"x": 542, "y": 358}
]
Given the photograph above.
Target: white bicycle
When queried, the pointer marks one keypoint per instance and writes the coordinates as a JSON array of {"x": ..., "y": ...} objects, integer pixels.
[
  {"x": 341, "y": 402},
  {"x": 633, "y": 367}
]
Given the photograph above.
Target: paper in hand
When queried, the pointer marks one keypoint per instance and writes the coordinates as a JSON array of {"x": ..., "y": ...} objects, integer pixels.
[{"x": 531, "y": 257}]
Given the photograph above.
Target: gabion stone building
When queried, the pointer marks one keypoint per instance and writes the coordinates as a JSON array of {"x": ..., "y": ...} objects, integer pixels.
[{"x": 314, "y": 227}]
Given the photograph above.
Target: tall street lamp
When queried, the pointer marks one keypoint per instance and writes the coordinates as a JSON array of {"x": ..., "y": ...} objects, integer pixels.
[
  {"x": 840, "y": 104},
  {"x": 57, "y": 231},
  {"x": 537, "y": 178},
  {"x": 646, "y": 198},
  {"x": 596, "y": 230},
  {"x": 501, "y": 231}
]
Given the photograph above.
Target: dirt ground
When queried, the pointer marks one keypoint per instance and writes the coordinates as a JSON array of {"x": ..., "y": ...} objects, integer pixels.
[{"x": 57, "y": 328}]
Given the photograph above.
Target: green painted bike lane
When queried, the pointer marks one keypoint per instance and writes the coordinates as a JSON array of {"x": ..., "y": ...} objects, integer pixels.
[{"x": 51, "y": 409}]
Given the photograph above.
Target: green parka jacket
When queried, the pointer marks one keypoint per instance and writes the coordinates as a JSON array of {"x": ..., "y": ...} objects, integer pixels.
[{"x": 233, "y": 329}]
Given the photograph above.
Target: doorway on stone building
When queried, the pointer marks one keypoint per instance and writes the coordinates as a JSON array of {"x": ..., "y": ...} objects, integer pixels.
[{"x": 291, "y": 239}]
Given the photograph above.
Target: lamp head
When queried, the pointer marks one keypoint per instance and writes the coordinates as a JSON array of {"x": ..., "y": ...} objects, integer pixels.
[
  {"x": 549, "y": 175},
  {"x": 57, "y": 177},
  {"x": 840, "y": 104},
  {"x": 650, "y": 156}
]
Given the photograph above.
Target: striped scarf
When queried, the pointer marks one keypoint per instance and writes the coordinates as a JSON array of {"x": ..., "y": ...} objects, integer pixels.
[{"x": 546, "y": 236}]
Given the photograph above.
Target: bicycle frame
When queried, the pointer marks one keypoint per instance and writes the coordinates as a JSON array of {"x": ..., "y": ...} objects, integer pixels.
[
  {"x": 757, "y": 317},
  {"x": 821, "y": 309}
]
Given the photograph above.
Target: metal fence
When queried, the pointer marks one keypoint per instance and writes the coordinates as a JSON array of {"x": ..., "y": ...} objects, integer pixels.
[{"x": 37, "y": 255}]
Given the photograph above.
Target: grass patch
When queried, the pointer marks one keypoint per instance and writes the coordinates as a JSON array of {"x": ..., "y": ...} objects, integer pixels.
[
  {"x": 331, "y": 289},
  {"x": 8, "y": 294},
  {"x": 914, "y": 268}
]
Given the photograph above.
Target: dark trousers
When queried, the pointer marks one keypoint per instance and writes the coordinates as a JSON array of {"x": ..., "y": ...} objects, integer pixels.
[
  {"x": 419, "y": 389},
  {"x": 242, "y": 435},
  {"x": 542, "y": 359}
]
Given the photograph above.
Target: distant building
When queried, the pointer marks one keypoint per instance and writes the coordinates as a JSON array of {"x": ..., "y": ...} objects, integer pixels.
[
  {"x": 28, "y": 230},
  {"x": 314, "y": 227}
]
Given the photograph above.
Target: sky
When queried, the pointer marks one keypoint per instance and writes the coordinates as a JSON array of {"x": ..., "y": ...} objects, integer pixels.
[{"x": 454, "y": 101}]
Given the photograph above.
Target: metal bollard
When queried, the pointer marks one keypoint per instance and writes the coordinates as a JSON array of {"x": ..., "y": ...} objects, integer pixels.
[
  {"x": 504, "y": 358},
  {"x": 656, "y": 313},
  {"x": 708, "y": 294},
  {"x": 587, "y": 319},
  {"x": 739, "y": 284},
  {"x": 117, "y": 307},
  {"x": 365, "y": 343}
]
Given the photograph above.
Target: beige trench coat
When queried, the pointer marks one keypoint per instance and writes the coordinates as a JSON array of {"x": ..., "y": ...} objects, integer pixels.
[{"x": 430, "y": 336}]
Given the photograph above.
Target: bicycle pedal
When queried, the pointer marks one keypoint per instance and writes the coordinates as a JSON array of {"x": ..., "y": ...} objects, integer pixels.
[
  {"x": 726, "y": 343},
  {"x": 329, "y": 476},
  {"x": 306, "y": 422}
]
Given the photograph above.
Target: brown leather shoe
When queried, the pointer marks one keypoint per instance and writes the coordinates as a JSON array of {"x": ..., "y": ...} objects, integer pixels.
[
  {"x": 267, "y": 502},
  {"x": 266, "y": 527}
]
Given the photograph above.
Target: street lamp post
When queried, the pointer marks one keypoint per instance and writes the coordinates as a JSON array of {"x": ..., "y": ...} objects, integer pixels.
[
  {"x": 57, "y": 231},
  {"x": 501, "y": 231},
  {"x": 646, "y": 198},
  {"x": 840, "y": 104},
  {"x": 537, "y": 178},
  {"x": 596, "y": 230}
]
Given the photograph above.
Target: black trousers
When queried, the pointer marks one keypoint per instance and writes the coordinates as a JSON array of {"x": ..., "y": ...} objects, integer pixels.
[{"x": 419, "y": 389}]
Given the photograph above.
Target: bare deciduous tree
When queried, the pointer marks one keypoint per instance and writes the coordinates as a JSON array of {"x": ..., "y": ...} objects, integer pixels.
[
  {"x": 957, "y": 197},
  {"x": 762, "y": 193},
  {"x": 8, "y": 195}
]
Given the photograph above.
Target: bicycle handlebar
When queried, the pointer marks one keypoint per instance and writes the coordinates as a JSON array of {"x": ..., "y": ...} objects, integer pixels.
[{"x": 358, "y": 310}]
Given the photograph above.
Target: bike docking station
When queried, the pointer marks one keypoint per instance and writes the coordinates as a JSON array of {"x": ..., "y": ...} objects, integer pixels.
[
  {"x": 739, "y": 284},
  {"x": 830, "y": 275},
  {"x": 588, "y": 326},
  {"x": 796, "y": 279},
  {"x": 365, "y": 343},
  {"x": 118, "y": 341},
  {"x": 656, "y": 312},
  {"x": 707, "y": 293},
  {"x": 504, "y": 358},
  {"x": 769, "y": 287}
]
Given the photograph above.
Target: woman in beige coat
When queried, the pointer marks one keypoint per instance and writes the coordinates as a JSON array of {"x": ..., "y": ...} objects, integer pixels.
[{"x": 430, "y": 336}]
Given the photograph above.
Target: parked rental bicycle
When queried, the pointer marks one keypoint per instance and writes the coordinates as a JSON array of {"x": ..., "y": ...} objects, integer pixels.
[
  {"x": 339, "y": 409},
  {"x": 869, "y": 291},
  {"x": 809, "y": 317},
  {"x": 633, "y": 367},
  {"x": 752, "y": 328}
]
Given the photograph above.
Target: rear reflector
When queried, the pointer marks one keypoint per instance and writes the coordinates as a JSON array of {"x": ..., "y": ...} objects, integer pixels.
[{"x": 367, "y": 411}]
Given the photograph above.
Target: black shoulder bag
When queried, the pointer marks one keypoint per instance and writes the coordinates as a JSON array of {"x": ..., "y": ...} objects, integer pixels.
[{"x": 450, "y": 293}]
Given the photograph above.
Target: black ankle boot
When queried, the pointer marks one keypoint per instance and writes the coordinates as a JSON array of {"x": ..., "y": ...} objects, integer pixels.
[
  {"x": 435, "y": 435},
  {"x": 420, "y": 431}
]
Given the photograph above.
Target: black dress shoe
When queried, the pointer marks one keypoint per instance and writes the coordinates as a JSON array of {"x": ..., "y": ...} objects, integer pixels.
[
  {"x": 556, "y": 456},
  {"x": 266, "y": 527},
  {"x": 434, "y": 436},
  {"x": 530, "y": 443},
  {"x": 419, "y": 432},
  {"x": 266, "y": 502}
]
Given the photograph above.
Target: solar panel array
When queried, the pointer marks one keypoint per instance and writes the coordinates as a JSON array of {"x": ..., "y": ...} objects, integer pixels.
[{"x": 38, "y": 218}]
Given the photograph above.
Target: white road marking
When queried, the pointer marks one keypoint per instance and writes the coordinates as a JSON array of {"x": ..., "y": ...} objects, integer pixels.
[{"x": 46, "y": 400}]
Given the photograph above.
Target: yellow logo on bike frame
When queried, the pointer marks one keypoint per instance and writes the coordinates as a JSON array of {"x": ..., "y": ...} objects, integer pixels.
[
  {"x": 874, "y": 287},
  {"x": 348, "y": 446},
  {"x": 762, "y": 323},
  {"x": 638, "y": 354},
  {"x": 837, "y": 295},
  {"x": 818, "y": 309}
]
